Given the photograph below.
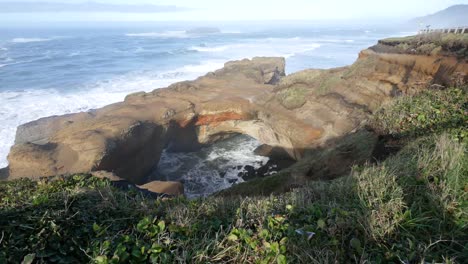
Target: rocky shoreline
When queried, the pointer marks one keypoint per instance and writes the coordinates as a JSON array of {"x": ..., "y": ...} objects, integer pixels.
[{"x": 290, "y": 115}]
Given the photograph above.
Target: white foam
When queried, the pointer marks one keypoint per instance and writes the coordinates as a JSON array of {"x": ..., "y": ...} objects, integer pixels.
[
  {"x": 13, "y": 63},
  {"x": 325, "y": 40},
  {"x": 4, "y": 61},
  {"x": 209, "y": 49},
  {"x": 19, "y": 107},
  {"x": 165, "y": 34},
  {"x": 74, "y": 54},
  {"x": 201, "y": 171},
  {"x": 284, "y": 39},
  {"x": 280, "y": 47},
  {"x": 239, "y": 153},
  {"x": 196, "y": 70},
  {"x": 28, "y": 40}
]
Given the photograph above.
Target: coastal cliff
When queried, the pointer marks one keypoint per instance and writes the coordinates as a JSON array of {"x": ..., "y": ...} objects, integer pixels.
[
  {"x": 381, "y": 174},
  {"x": 298, "y": 112}
]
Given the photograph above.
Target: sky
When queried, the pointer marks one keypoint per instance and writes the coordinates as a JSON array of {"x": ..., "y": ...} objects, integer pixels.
[{"x": 215, "y": 10}]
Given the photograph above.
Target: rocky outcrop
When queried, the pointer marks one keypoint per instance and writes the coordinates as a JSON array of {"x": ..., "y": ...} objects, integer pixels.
[
  {"x": 127, "y": 138},
  {"x": 254, "y": 97}
]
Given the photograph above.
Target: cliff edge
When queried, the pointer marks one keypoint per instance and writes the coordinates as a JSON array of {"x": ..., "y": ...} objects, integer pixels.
[{"x": 298, "y": 112}]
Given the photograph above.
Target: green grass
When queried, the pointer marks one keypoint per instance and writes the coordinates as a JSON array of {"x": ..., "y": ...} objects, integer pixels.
[
  {"x": 431, "y": 44},
  {"x": 397, "y": 41},
  {"x": 277, "y": 183},
  {"x": 360, "y": 67},
  {"x": 432, "y": 111},
  {"x": 293, "y": 90},
  {"x": 302, "y": 77},
  {"x": 411, "y": 207},
  {"x": 293, "y": 97},
  {"x": 318, "y": 164}
]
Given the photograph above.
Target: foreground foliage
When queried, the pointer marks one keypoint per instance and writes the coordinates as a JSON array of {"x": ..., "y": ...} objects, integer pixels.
[
  {"x": 411, "y": 207},
  {"x": 432, "y": 111}
]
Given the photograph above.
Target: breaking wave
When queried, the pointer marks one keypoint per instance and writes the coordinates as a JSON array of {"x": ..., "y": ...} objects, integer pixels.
[
  {"x": 28, "y": 40},
  {"x": 18, "y": 107}
]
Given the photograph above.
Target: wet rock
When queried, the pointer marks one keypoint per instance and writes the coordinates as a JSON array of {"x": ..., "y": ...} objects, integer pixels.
[
  {"x": 274, "y": 166},
  {"x": 276, "y": 153},
  {"x": 232, "y": 181},
  {"x": 222, "y": 174},
  {"x": 249, "y": 173}
]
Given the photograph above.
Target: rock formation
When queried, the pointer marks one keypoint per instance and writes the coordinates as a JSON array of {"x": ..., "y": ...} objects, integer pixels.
[{"x": 254, "y": 97}]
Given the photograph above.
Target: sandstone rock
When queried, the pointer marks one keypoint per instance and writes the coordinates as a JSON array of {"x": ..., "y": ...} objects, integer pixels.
[
  {"x": 295, "y": 113},
  {"x": 127, "y": 138},
  {"x": 165, "y": 187}
]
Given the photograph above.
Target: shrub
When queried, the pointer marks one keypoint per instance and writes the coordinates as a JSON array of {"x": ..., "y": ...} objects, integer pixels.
[{"x": 432, "y": 111}]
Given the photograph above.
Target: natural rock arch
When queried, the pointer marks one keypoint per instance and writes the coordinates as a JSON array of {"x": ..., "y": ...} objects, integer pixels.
[{"x": 253, "y": 97}]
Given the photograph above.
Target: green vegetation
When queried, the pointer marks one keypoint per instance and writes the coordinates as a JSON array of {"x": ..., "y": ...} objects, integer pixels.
[
  {"x": 429, "y": 112},
  {"x": 411, "y": 207},
  {"x": 293, "y": 97},
  {"x": 294, "y": 88},
  {"x": 360, "y": 66},
  {"x": 431, "y": 44},
  {"x": 305, "y": 77},
  {"x": 319, "y": 164}
]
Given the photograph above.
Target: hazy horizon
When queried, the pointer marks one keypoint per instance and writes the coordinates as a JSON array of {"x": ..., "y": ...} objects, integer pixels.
[{"x": 17, "y": 13}]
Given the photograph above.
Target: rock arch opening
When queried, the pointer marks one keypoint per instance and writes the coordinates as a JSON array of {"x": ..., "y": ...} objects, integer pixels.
[{"x": 214, "y": 167}]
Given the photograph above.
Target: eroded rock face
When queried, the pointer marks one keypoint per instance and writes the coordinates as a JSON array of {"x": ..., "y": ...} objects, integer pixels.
[
  {"x": 127, "y": 138},
  {"x": 299, "y": 112}
]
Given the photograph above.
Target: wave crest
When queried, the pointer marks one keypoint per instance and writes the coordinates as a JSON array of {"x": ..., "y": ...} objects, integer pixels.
[
  {"x": 38, "y": 103},
  {"x": 165, "y": 34},
  {"x": 28, "y": 40}
]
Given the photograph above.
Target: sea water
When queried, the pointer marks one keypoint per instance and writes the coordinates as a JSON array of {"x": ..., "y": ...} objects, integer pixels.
[{"x": 57, "y": 71}]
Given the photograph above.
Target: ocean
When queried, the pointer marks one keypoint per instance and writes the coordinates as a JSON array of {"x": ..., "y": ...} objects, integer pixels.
[{"x": 54, "y": 71}]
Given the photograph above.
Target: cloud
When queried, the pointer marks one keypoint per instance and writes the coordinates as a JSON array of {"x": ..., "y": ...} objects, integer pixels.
[{"x": 49, "y": 7}]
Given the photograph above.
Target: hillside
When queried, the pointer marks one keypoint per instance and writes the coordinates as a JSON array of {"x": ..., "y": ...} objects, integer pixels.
[{"x": 454, "y": 16}]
